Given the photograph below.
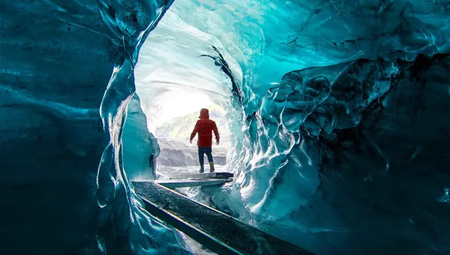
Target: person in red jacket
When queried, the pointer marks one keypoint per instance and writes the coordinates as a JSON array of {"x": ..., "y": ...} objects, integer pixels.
[{"x": 204, "y": 127}]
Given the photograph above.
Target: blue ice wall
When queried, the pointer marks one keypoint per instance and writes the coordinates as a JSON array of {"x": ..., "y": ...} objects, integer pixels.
[
  {"x": 53, "y": 76},
  {"x": 359, "y": 161},
  {"x": 140, "y": 148},
  {"x": 56, "y": 60}
]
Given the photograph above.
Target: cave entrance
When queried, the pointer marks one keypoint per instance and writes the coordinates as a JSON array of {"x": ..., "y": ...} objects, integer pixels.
[
  {"x": 171, "y": 117},
  {"x": 177, "y": 74}
]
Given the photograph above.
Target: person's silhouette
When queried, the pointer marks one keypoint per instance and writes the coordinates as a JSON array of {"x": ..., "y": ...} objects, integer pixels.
[{"x": 205, "y": 127}]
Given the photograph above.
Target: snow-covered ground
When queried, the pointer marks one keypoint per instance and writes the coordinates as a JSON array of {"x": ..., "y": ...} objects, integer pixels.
[
  {"x": 164, "y": 171},
  {"x": 178, "y": 153}
]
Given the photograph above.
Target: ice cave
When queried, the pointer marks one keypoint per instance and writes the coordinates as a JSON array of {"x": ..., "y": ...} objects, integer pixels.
[{"x": 334, "y": 119}]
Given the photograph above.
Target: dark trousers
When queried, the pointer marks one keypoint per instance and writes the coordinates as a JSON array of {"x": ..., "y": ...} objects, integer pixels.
[{"x": 201, "y": 151}]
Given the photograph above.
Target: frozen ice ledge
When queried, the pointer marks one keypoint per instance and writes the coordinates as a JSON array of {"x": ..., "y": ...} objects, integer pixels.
[{"x": 213, "y": 229}]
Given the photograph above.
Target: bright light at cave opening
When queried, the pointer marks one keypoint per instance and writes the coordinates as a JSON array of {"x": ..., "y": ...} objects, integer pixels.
[
  {"x": 176, "y": 76},
  {"x": 176, "y": 104},
  {"x": 171, "y": 117}
]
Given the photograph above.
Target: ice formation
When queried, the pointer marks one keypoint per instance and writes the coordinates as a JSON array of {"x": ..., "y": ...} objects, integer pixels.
[
  {"x": 339, "y": 115},
  {"x": 55, "y": 65}
]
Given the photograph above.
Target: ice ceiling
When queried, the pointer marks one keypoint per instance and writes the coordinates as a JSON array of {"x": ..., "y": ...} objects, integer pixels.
[{"x": 339, "y": 114}]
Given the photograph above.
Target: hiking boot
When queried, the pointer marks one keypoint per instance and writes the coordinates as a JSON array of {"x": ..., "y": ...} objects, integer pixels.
[
  {"x": 202, "y": 169},
  {"x": 211, "y": 167}
]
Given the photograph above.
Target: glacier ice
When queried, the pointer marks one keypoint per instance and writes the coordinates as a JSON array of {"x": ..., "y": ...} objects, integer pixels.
[
  {"x": 339, "y": 113},
  {"x": 140, "y": 148},
  {"x": 55, "y": 66},
  {"x": 366, "y": 142}
]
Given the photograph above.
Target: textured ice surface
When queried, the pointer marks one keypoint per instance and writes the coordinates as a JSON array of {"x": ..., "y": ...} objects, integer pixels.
[
  {"x": 371, "y": 159},
  {"x": 140, "y": 147},
  {"x": 348, "y": 157},
  {"x": 56, "y": 59}
]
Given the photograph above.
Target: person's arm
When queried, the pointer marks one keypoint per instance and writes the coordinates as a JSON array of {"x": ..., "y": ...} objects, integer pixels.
[
  {"x": 195, "y": 131},
  {"x": 216, "y": 133}
]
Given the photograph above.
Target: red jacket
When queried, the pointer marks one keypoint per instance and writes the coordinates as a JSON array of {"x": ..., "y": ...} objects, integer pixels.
[{"x": 204, "y": 127}]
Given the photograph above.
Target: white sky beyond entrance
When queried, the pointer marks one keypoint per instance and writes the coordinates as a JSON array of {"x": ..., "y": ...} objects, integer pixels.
[{"x": 176, "y": 104}]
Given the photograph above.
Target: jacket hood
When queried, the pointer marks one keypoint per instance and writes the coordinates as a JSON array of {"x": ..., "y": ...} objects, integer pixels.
[{"x": 204, "y": 113}]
